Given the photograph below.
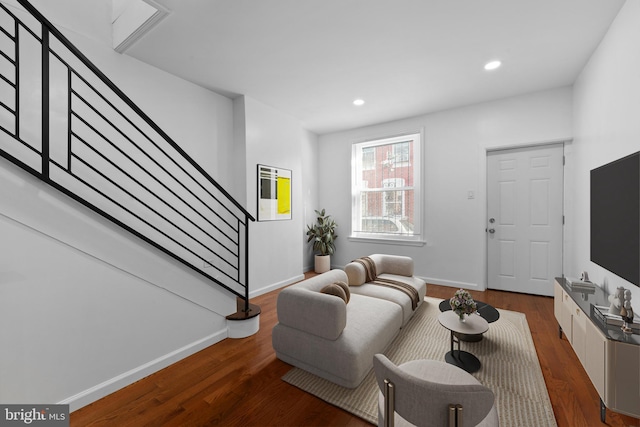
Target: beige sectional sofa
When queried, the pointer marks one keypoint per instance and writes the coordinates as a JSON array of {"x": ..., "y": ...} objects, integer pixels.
[{"x": 336, "y": 340}]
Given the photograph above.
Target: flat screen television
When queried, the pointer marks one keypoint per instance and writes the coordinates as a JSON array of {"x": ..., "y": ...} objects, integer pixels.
[{"x": 615, "y": 217}]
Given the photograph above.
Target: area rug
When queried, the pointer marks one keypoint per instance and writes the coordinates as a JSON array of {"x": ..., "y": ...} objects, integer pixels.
[{"x": 510, "y": 368}]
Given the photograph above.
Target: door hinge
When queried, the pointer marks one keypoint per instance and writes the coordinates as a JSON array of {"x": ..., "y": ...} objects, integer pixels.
[
  {"x": 564, "y": 160},
  {"x": 562, "y": 219}
]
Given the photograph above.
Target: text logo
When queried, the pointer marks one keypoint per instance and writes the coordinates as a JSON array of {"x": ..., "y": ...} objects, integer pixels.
[{"x": 34, "y": 415}]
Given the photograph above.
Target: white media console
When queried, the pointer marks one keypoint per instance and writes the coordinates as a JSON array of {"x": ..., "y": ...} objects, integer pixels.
[{"x": 610, "y": 357}]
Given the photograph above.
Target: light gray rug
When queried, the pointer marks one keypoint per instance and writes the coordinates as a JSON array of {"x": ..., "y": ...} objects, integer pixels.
[{"x": 510, "y": 368}]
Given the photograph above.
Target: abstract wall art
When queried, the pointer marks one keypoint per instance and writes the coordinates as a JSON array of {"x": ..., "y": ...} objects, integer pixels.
[{"x": 274, "y": 193}]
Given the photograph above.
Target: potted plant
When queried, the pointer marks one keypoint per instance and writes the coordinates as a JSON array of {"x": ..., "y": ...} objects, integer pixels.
[{"x": 323, "y": 235}]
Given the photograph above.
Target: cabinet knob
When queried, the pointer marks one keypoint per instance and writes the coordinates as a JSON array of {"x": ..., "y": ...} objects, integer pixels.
[{"x": 577, "y": 312}]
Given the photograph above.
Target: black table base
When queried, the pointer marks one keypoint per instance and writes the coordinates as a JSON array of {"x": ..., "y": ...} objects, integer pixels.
[
  {"x": 463, "y": 360},
  {"x": 486, "y": 311}
]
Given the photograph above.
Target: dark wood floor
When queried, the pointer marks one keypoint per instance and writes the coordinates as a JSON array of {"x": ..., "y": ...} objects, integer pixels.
[{"x": 237, "y": 382}]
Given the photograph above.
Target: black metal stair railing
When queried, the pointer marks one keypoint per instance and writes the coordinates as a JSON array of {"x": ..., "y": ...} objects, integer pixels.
[{"x": 83, "y": 136}]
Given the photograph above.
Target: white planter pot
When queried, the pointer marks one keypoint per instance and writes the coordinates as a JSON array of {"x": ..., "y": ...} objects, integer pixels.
[{"x": 323, "y": 263}]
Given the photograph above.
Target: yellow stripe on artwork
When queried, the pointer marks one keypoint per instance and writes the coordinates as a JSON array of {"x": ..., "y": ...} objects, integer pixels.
[{"x": 284, "y": 195}]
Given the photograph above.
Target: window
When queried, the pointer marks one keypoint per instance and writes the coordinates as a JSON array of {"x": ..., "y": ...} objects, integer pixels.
[
  {"x": 386, "y": 189},
  {"x": 368, "y": 158}
]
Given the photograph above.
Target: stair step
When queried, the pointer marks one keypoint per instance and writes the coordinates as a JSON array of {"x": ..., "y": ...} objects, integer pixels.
[{"x": 241, "y": 314}]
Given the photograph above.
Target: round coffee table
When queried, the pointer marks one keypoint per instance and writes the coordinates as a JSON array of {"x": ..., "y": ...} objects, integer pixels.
[
  {"x": 488, "y": 313},
  {"x": 473, "y": 325}
]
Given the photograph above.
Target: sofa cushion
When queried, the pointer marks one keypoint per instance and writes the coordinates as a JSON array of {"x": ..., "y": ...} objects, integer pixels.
[
  {"x": 372, "y": 324},
  {"x": 356, "y": 274},
  {"x": 393, "y": 264},
  {"x": 346, "y": 289},
  {"x": 384, "y": 264},
  {"x": 336, "y": 290},
  {"x": 394, "y": 295}
]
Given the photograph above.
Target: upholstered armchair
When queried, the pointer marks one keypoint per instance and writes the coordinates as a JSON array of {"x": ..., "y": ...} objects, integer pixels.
[{"x": 430, "y": 393}]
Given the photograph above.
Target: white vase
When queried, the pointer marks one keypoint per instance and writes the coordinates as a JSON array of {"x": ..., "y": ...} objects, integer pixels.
[{"x": 323, "y": 263}]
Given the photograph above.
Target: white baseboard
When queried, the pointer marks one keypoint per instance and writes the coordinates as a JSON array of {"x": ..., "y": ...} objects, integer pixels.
[
  {"x": 275, "y": 286},
  {"x": 107, "y": 387},
  {"x": 453, "y": 284}
]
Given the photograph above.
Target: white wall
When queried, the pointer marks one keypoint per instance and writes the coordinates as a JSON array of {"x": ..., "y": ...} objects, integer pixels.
[
  {"x": 86, "y": 308},
  {"x": 606, "y": 106},
  {"x": 275, "y": 139},
  {"x": 312, "y": 173},
  {"x": 455, "y": 146}
]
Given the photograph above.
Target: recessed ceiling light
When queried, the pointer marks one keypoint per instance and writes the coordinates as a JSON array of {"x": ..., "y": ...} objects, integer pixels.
[
  {"x": 492, "y": 65},
  {"x": 358, "y": 102}
]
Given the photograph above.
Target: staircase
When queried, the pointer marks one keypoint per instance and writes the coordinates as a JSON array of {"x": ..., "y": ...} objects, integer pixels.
[{"x": 92, "y": 143}]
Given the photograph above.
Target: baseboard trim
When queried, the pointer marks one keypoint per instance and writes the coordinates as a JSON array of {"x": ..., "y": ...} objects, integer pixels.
[
  {"x": 116, "y": 383},
  {"x": 275, "y": 286},
  {"x": 453, "y": 284}
]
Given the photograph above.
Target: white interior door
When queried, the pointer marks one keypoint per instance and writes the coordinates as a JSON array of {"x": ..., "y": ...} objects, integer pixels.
[{"x": 525, "y": 218}]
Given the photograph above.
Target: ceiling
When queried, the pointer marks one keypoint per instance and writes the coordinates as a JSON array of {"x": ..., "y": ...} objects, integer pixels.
[{"x": 312, "y": 58}]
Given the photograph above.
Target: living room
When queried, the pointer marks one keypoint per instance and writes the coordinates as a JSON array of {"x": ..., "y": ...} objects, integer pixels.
[{"x": 594, "y": 116}]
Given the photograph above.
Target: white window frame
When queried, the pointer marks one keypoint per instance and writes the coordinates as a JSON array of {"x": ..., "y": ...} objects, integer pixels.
[
  {"x": 357, "y": 185},
  {"x": 391, "y": 183}
]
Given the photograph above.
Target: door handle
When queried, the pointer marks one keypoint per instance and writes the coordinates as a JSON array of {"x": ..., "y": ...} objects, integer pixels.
[{"x": 492, "y": 230}]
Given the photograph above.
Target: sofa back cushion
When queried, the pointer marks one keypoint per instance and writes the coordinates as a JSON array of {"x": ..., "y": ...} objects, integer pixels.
[
  {"x": 385, "y": 264},
  {"x": 393, "y": 264}
]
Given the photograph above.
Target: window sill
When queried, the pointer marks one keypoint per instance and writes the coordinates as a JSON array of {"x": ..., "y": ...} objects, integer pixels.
[{"x": 387, "y": 241}]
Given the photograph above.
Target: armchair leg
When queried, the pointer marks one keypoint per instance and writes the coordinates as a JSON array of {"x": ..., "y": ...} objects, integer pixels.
[
  {"x": 389, "y": 404},
  {"x": 455, "y": 416}
]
